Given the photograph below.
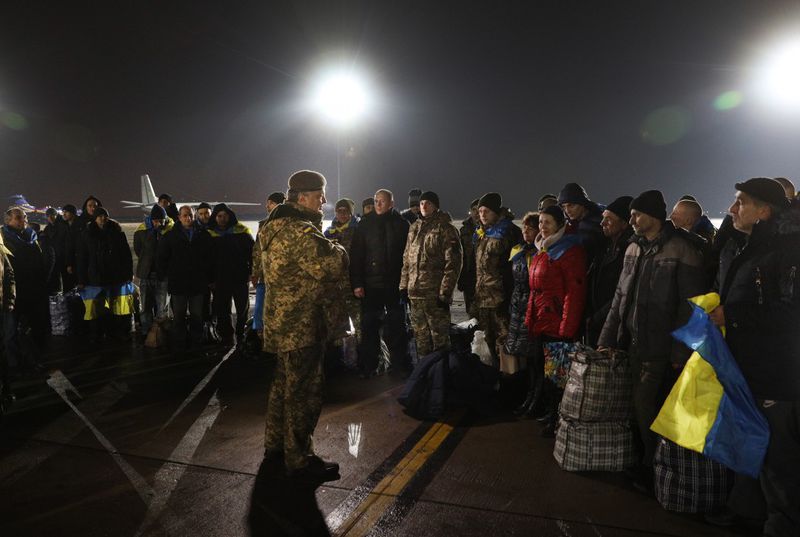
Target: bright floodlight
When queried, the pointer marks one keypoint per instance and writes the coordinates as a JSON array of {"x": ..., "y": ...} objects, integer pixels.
[
  {"x": 341, "y": 97},
  {"x": 780, "y": 76}
]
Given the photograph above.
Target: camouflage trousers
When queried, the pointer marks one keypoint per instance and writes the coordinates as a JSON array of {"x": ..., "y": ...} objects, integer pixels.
[
  {"x": 494, "y": 323},
  {"x": 430, "y": 321},
  {"x": 295, "y": 402}
]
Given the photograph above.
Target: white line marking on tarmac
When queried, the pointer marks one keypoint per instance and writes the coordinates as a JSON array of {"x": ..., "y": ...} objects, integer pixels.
[
  {"x": 564, "y": 527},
  {"x": 168, "y": 476},
  {"x": 197, "y": 389},
  {"x": 353, "y": 438},
  {"x": 596, "y": 531},
  {"x": 61, "y": 384}
]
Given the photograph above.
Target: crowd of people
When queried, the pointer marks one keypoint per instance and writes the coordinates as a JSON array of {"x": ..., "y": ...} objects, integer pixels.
[{"x": 615, "y": 276}]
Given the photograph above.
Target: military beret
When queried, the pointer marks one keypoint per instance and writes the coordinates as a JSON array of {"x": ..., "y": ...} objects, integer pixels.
[{"x": 306, "y": 181}]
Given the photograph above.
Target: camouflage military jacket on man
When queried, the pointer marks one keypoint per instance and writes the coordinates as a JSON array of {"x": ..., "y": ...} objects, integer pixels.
[
  {"x": 494, "y": 278},
  {"x": 257, "y": 272},
  {"x": 299, "y": 266},
  {"x": 432, "y": 258}
]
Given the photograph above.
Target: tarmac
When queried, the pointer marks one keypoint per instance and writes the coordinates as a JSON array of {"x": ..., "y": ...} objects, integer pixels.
[{"x": 121, "y": 440}]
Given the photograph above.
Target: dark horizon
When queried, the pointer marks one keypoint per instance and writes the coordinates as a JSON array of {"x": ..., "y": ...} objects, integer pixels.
[{"x": 514, "y": 98}]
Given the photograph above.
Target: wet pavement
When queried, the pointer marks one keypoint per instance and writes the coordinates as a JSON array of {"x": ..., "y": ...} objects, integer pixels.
[{"x": 123, "y": 440}]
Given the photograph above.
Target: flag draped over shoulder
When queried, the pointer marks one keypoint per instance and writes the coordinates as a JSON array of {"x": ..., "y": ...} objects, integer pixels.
[{"x": 710, "y": 408}]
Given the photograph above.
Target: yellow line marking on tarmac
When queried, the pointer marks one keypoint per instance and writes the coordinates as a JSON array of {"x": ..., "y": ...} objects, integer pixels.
[{"x": 380, "y": 498}]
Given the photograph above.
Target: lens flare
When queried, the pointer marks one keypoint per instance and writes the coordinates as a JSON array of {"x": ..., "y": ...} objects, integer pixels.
[
  {"x": 665, "y": 126},
  {"x": 13, "y": 121},
  {"x": 728, "y": 100}
]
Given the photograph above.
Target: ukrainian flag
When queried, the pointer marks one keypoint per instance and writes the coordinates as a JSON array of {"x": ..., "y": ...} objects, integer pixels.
[
  {"x": 710, "y": 409},
  {"x": 116, "y": 298}
]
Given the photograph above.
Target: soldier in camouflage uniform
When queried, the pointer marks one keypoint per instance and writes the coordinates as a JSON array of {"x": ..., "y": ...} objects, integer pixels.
[
  {"x": 299, "y": 265},
  {"x": 495, "y": 238},
  {"x": 431, "y": 266},
  {"x": 341, "y": 231}
]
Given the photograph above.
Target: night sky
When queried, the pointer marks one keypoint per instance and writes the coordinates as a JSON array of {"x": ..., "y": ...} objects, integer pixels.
[{"x": 517, "y": 97}]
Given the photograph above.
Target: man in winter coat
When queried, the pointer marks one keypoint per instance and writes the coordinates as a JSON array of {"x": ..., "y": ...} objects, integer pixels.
[
  {"x": 90, "y": 205},
  {"x": 299, "y": 265},
  {"x": 431, "y": 266},
  {"x": 56, "y": 233},
  {"x": 604, "y": 273},
  {"x": 412, "y": 213},
  {"x": 663, "y": 267},
  {"x": 182, "y": 262},
  {"x": 495, "y": 238},
  {"x": 341, "y": 231},
  {"x": 7, "y": 297},
  {"x": 203, "y": 215},
  {"x": 165, "y": 201},
  {"x": 466, "y": 281},
  {"x": 152, "y": 286},
  {"x": 376, "y": 263},
  {"x": 105, "y": 271},
  {"x": 231, "y": 252},
  {"x": 70, "y": 215},
  {"x": 760, "y": 310},
  {"x": 583, "y": 218}
]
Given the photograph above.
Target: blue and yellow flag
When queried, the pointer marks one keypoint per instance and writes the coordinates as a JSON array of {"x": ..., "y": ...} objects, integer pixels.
[
  {"x": 710, "y": 408},
  {"x": 116, "y": 298}
]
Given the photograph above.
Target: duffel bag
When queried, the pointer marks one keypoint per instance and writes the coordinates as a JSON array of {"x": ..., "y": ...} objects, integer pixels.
[
  {"x": 598, "y": 387},
  {"x": 594, "y": 446}
]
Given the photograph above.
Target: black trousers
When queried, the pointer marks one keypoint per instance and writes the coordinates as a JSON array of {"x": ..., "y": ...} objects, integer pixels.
[
  {"x": 780, "y": 474},
  {"x": 222, "y": 308},
  {"x": 180, "y": 303},
  {"x": 382, "y": 308}
]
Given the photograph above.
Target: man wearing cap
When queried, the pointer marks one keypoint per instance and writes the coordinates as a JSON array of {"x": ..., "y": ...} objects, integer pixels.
[
  {"x": 56, "y": 235},
  {"x": 466, "y": 281},
  {"x": 165, "y": 201},
  {"x": 663, "y": 267},
  {"x": 760, "y": 310},
  {"x": 376, "y": 264},
  {"x": 604, "y": 273},
  {"x": 431, "y": 266},
  {"x": 583, "y": 218},
  {"x": 412, "y": 213},
  {"x": 152, "y": 288},
  {"x": 299, "y": 267},
  {"x": 203, "y": 214},
  {"x": 495, "y": 238}
]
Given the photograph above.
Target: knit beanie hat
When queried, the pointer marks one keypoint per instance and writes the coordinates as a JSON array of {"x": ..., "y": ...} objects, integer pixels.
[
  {"x": 306, "y": 181},
  {"x": 204, "y": 205},
  {"x": 651, "y": 203},
  {"x": 347, "y": 203},
  {"x": 277, "y": 197},
  {"x": 621, "y": 207},
  {"x": 69, "y": 208},
  {"x": 414, "y": 197},
  {"x": 573, "y": 193},
  {"x": 431, "y": 197},
  {"x": 491, "y": 200},
  {"x": 557, "y": 214},
  {"x": 101, "y": 211},
  {"x": 367, "y": 202},
  {"x": 158, "y": 213}
]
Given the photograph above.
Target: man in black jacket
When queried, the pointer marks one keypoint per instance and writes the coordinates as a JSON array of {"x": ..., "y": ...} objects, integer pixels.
[
  {"x": 183, "y": 261},
  {"x": 152, "y": 286},
  {"x": 760, "y": 309},
  {"x": 376, "y": 262},
  {"x": 232, "y": 258},
  {"x": 56, "y": 234}
]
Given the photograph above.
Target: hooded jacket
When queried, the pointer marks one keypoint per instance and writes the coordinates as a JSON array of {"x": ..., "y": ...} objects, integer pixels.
[
  {"x": 603, "y": 278},
  {"x": 760, "y": 293},
  {"x": 651, "y": 297},
  {"x": 231, "y": 250},
  {"x": 182, "y": 260},
  {"x": 493, "y": 279},
  {"x": 75, "y": 235},
  {"x": 145, "y": 246},
  {"x": 517, "y": 342},
  {"x": 299, "y": 267},
  {"x": 104, "y": 257},
  {"x": 376, "y": 253},
  {"x": 557, "y": 288},
  {"x": 432, "y": 258}
]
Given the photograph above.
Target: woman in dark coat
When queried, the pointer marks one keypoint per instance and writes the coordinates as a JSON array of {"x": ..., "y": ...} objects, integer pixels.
[
  {"x": 557, "y": 293},
  {"x": 518, "y": 343}
]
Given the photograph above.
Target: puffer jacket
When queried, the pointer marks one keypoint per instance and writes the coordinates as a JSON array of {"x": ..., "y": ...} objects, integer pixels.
[
  {"x": 651, "y": 296},
  {"x": 494, "y": 281},
  {"x": 760, "y": 293},
  {"x": 432, "y": 258},
  {"x": 145, "y": 246},
  {"x": 231, "y": 250},
  {"x": 517, "y": 342},
  {"x": 557, "y": 289},
  {"x": 603, "y": 277},
  {"x": 104, "y": 256},
  {"x": 376, "y": 253}
]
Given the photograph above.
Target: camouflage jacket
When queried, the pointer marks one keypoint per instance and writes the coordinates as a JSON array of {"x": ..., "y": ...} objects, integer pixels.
[
  {"x": 300, "y": 267},
  {"x": 342, "y": 233},
  {"x": 494, "y": 278},
  {"x": 257, "y": 253},
  {"x": 432, "y": 258}
]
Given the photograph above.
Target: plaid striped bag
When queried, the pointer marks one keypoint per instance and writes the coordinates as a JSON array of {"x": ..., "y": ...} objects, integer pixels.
[
  {"x": 689, "y": 482},
  {"x": 594, "y": 446},
  {"x": 598, "y": 388}
]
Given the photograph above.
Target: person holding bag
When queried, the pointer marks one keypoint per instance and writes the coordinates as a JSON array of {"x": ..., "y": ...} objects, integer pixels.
[{"x": 556, "y": 301}]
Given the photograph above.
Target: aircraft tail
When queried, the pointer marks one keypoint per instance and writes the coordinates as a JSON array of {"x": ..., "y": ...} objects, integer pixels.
[
  {"x": 148, "y": 194},
  {"x": 18, "y": 200}
]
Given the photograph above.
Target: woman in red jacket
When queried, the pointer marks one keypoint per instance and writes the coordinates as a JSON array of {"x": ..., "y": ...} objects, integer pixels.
[{"x": 557, "y": 296}]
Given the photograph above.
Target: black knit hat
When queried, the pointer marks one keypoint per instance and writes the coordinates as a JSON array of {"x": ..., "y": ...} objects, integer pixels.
[
  {"x": 51, "y": 211},
  {"x": 474, "y": 203},
  {"x": 621, "y": 207},
  {"x": 204, "y": 205},
  {"x": 367, "y": 202},
  {"x": 557, "y": 213},
  {"x": 491, "y": 200},
  {"x": 158, "y": 213},
  {"x": 165, "y": 197},
  {"x": 101, "y": 211},
  {"x": 573, "y": 193},
  {"x": 548, "y": 197},
  {"x": 414, "y": 197},
  {"x": 651, "y": 203},
  {"x": 765, "y": 189},
  {"x": 430, "y": 196},
  {"x": 69, "y": 208},
  {"x": 277, "y": 197}
]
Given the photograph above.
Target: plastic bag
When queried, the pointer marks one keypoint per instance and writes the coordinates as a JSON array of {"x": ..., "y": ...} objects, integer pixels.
[{"x": 481, "y": 348}]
